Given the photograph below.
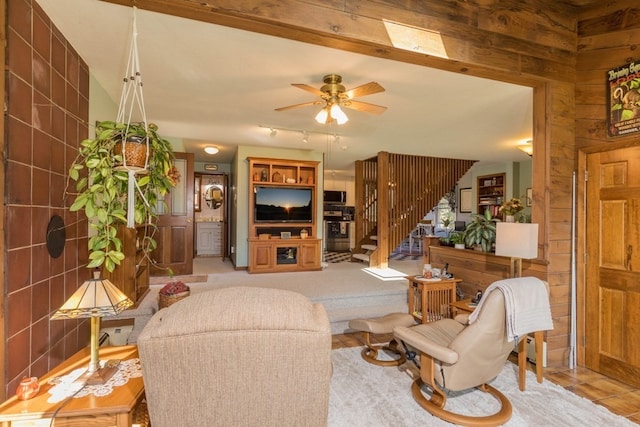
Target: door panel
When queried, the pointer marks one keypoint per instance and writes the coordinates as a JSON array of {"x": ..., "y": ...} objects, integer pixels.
[
  {"x": 612, "y": 279},
  {"x": 175, "y": 224}
]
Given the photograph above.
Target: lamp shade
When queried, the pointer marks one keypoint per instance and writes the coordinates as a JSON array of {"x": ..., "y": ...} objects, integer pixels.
[
  {"x": 517, "y": 240},
  {"x": 95, "y": 298}
]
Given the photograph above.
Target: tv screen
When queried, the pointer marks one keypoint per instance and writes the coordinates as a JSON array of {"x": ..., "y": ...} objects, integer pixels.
[{"x": 282, "y": 204}]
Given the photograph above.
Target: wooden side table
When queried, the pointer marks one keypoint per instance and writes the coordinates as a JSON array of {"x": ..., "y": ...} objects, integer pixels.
[
  {"x": 463, "y": 305},
  {"x": 431, "y": 300},
  {"x": 115, "y": 409}
]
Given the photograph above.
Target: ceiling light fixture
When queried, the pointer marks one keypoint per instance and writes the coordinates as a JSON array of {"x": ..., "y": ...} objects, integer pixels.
[
  {"x": 331, "y": 112},
  {"x": 211, "y": 150},
  {"x": 322, "y": 116},
  {"x": 305, "y": 137},
  {"x": 527, "y": 147},
  {"x": 273, "y": 133}
]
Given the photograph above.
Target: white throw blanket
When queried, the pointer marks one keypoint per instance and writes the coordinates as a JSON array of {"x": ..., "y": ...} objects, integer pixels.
[{"x": 526, "y": 305}]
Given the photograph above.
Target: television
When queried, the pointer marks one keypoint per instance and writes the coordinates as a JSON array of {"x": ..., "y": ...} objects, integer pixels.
[{"x": 283, "y": 204}]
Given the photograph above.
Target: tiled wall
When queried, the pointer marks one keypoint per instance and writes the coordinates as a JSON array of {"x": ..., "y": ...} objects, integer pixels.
[{"x": 47, "y": 86}]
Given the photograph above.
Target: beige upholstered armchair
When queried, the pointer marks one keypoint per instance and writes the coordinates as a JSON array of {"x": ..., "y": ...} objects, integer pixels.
[{"x": 238, "y": 357}]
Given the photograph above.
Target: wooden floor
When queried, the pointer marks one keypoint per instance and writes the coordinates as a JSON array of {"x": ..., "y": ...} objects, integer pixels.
[{"x": 618, "y": 397}]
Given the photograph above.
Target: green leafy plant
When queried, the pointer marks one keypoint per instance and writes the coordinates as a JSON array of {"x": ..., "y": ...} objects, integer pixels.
[
  {"x": 481, "y": 231},
  {"x": 456, "y": 237},
  {"x": 102, "y": 187}
]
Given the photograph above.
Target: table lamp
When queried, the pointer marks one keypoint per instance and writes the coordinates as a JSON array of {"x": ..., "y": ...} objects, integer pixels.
[
  {"x": 518, "y": 241},
  {"x": 94, "y": 299}
]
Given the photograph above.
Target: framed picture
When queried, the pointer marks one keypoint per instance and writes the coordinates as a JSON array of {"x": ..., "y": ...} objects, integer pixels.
[
  {"x": 465, "y": 200},
  {"x": 196, "y": 192},
  {"x": 529, "y": 200},
  {"x": 285, "y": 234}
]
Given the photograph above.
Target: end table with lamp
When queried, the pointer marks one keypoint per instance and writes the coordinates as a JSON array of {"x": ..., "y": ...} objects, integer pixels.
[
  {"x": 79, "y": 395},
  {"x": 121, "y": 407}
]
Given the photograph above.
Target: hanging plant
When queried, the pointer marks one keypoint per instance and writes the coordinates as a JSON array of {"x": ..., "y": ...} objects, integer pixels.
[{"x": 102, "y": 187}]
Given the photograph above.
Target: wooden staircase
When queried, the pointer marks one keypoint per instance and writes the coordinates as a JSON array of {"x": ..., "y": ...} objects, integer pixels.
[{"x": 393, "y": 193}]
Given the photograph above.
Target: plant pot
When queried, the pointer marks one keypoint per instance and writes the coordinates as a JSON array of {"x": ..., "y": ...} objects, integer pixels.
[
  {"x": 510, "y": 218},
  {"x": 135, "y": 152},
  {"x": 459, "y": 246}
]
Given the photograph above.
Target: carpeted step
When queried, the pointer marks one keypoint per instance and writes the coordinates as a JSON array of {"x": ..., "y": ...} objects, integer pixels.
[{"x": 361, "y": 257}]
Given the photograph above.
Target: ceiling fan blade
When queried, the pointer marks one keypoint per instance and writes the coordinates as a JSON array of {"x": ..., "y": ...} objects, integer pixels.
[
  {"x": 304, "y": 104},
  {"x": 364, "y": 90},
  {"x": 308, "y": 88},
  {"x": 364, "y": 106}
]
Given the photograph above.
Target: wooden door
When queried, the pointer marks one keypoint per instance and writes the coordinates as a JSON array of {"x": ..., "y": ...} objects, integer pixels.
[
  {"x": 612, "y": 274},
  {"x": 175, "y": 225}
]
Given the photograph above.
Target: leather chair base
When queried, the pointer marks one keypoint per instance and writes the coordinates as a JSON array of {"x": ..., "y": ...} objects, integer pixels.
[
  {"x": 435, "y": 406},
  {"x": 370, "y": 354}
]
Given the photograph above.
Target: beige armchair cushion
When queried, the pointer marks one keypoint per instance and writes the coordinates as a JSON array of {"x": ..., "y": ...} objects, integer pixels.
[{"x": 238, "y": 356}]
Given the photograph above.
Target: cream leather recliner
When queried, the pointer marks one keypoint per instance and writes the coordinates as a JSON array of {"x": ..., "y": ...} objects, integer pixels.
[
  {"x": 456, "y": 356},
  {"x": 238, "y": 357}
]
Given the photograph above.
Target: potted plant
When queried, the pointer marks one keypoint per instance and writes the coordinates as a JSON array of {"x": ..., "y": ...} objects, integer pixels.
[
  {"x": 481, "y": 231},
  {"x": 510, "y": 208},
  {"x": 102, "y": 186},
  {"x": 457, "y": 239}
]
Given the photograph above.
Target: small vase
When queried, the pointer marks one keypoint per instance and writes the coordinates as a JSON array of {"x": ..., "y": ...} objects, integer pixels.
[
  {"x": 28, "y": 388},
  {"x": 510, "y": 218}
]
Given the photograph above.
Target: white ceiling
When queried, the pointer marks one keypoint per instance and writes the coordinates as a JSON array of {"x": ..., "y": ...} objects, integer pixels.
[{"x": 213, "y": 85}]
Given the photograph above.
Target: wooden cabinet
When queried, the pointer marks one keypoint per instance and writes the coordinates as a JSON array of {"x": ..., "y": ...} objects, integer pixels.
[
  {"x": 491, "y": 191},
  {"x": 209, "y": 238},
  {"x": 132, "y": 275},
  {"x": 277, "y": 255},
  {"x": 282, "y": 203}
]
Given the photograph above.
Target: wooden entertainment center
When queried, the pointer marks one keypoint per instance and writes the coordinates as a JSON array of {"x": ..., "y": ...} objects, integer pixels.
[{"x": 283, "y": 236}]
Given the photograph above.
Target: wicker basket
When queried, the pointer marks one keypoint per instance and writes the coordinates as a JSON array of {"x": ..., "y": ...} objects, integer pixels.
[
  {"x": 135, "y": 152},
  {"x": 167, "y": 300}
]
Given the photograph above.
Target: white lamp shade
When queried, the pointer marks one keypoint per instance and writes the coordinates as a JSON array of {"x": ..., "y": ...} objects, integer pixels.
[{"x": 517, "y": 240}]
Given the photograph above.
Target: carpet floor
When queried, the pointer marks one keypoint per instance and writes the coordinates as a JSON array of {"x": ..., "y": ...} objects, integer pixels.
[{"x": 366, "y": 395}]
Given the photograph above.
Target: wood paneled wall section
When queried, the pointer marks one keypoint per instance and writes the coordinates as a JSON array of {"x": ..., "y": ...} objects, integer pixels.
[
  {"x": 608, "y": 34},
  {"x": 506, "y": 40},
  {"x": 479, "y": 269}
]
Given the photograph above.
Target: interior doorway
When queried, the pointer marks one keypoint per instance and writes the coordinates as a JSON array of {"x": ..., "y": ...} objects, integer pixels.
[{"x": 211, "y": 213}]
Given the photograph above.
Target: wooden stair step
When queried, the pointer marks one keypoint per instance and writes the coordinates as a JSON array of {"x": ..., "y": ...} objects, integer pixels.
[
  {"x": 361, "y": 257},
  {"x": 369, "y": 247}
]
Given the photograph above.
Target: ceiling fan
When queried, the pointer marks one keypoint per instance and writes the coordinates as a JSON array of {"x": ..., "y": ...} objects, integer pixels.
[{"x": 334, "y": 95}]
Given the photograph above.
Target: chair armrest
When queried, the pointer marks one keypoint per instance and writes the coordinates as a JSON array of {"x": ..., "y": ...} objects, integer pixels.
[
  {"x": 425, "y": 345},
  {"x": 462, "y": 318}
]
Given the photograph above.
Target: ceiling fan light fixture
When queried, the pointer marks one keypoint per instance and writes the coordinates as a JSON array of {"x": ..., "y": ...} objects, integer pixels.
[
  {"x": 211, "y": 150},
  {"x": 338, "y": 115},
  {"x": 322, "y": 116}
]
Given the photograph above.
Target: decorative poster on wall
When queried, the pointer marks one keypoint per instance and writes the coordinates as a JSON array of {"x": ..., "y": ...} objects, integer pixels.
[{"x": 623, "y": 94}]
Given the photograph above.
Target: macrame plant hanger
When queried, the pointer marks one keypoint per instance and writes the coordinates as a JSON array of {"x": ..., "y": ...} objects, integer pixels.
[{"x": 132, "y": 99}]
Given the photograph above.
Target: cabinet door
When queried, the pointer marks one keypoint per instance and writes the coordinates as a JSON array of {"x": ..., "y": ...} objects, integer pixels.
[
  {"x": 309, "y": 255},
  {"x": 262, "y": 257}
]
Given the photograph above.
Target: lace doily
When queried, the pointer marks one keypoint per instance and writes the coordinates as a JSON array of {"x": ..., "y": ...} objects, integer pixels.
[{"x": 64, "y": 386}]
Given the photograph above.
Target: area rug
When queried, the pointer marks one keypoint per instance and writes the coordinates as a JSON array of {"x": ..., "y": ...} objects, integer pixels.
[{"x": 366, "y": 395}]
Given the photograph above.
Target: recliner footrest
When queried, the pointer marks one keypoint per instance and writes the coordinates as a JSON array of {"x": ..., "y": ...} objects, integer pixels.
[{"x": 381, "y": 325}]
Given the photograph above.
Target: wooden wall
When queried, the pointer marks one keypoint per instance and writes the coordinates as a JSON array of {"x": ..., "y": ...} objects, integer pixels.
[{"x": 608, "y": 34}]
